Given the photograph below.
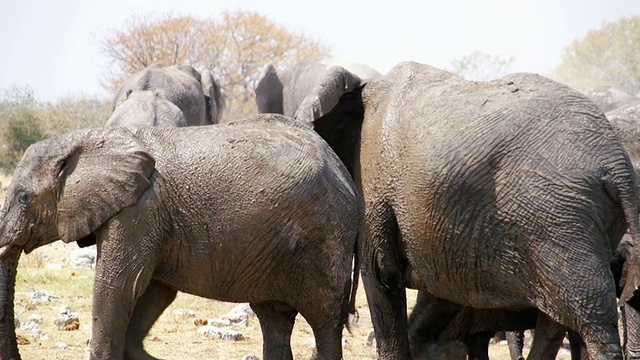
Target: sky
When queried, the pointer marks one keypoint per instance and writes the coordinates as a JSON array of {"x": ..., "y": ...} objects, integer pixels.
[{"x": 50, "y": 46}]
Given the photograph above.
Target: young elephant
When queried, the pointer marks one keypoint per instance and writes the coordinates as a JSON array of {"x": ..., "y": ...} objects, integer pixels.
[
  {"x": 511, "y": 194},
  {"x": 145, "y": 107},
  {"x": 260, "y": 211}
]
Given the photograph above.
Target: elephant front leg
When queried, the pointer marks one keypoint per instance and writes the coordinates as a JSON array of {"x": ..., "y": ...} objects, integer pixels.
[{"x": 121, "y": 278}]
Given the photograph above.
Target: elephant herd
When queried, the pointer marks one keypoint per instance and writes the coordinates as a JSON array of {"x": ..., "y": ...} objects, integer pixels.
[{"x": 510, "y": 204}]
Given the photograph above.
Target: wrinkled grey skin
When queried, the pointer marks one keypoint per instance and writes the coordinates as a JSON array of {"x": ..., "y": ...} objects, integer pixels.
[
  {"x": 626, "y": 121},
  {"x": 282, "y": 239},
  {"x": 197, "y": 95},
  {"x": 145, "y": 107},
  {"x": 506, "y": 194},
  {"x": 610, "y": 97},
  {"x": 282, "y": 91}
]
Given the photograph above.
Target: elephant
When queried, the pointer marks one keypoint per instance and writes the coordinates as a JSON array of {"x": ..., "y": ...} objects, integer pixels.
[
  {"x": 611, "y": 97},
  {"x": 197, "y": 95},
  {"x": 282, "y": 91},
  {"x": 147, "y": 108},
  {"x": 626, "y": 121},
  {"x": 172, "y": 209},
  {"x": 506, "y": 194}
]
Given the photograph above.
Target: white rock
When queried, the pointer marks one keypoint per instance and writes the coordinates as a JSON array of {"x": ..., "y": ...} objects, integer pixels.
[
  {"x": 65, "y": 319},
  {"x": 34, "y": 330},
  {"x": 242, "y": 309},
  {"x": 218, "y": 322},
  {"x": 371, "y": 338},
  {"x": 84, "y": 257},
  {"x": 29, "y": 325},
  {"x": 220, "y": 333},
  {"x": 503, "y": 342},
  {"x": 36, "y": 318},
  {"x": 250, "y": 357},
  {"x": 40, "y": 295},
  {"x": 62, "y": 345},
  {"x": 16, "y": 321}
]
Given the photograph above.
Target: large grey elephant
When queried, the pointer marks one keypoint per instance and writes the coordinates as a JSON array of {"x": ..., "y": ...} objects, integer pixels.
[
  {"x": 282, "y": 239},
  {"x": 146, "y": 107},
  {"x": 197, "y": 95},
  {"x": 506, "y": 194},
  {"x": 280, "y": 91},
  {"x": 609, "y": 98},
  {"x": 626, "y": 121}
]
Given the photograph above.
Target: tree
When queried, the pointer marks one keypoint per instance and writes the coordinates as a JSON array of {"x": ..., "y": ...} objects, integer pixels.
[
  {"x": 480, "y": 66},
  {"x": 608, "y": 56},
  {"x": 234, "y": 46}
]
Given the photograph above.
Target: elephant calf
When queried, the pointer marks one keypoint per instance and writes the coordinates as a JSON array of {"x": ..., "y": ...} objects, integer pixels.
[{"x": 260, "y": 211}]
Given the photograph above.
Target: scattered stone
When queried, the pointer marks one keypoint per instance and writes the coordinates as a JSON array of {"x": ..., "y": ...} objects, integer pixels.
[
  {"x": 184, "y": 313},
  {"x": 36, "y": 318},
  {"x": 67, "y": 320},
  {"x": 220, "y": 333},
  {"x": 34, "y": 330},
  {"x": 22, "y": 340},
  {"x": 242, "y": 309},
  {"x": 219, "y": 322},
  {"x": 40, "y": 296},
  {"x": 84, "y": 257},
  {"x": 250, "y": 357},
  {"x": 16, "y": 321},
  {"x": 238, "y": 316},
  {"x": 62, "y": 346},
  {"x": 503, "y": 342},
  {"x": 371, "y": 338},
  {"x": 200, "y": 322},
  {"x": 345, "y": 342}
]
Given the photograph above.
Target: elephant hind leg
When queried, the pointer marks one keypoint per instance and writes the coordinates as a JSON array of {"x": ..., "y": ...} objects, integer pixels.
[
  {"x": 276, "y": 322},
  {"x": 147, "y": 310}
]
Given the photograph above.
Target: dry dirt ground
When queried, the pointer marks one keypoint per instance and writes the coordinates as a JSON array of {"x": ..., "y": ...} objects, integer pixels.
[{"x": 173, "y": 337}]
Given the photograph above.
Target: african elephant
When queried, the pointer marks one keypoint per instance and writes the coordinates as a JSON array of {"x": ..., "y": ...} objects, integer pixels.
[
  {"x": 504, "y": 194},
  {"x": 147, "y": 107},
  {"x": 282, "y": 91},
  {"x": 282, "y": 239},
  {"x": 626, "y": 122},
  {"x": 197, "y": 95},
  {"x": 610, "y": 97}
]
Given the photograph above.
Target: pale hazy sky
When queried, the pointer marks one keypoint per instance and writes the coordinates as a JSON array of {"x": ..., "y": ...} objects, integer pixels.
[{"x": 49, "y": 45}]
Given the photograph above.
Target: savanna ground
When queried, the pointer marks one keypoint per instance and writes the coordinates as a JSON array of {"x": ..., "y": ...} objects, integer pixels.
[{"x": 174, "y": 336}]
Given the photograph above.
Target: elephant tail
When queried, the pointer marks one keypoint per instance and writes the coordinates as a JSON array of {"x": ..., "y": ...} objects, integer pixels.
[
  {"x": 623, "y": 188},
  {"x": 351, "y": 310}
]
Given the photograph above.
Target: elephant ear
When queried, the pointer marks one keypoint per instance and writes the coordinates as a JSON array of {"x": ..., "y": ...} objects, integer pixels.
[
  {"x": 102, "y": 172},
  {"x": 268, "y": 91},
  {"x": 324, "y": 97},
  {"x": 212, "y": 96}
]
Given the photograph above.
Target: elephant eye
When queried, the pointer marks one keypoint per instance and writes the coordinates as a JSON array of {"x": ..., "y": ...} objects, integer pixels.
[{"x": 24, "y": 197}]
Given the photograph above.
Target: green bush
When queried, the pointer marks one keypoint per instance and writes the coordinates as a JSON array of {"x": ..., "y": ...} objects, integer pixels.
[{"x": 20, "y": 125}]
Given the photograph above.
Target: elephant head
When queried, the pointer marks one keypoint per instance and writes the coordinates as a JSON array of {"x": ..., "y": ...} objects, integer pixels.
[
  {"x": 145, "y": 107},
  {"x": 283, "y": 91},
  {"x": 196, "y": 95},
  {"x": 54, "y": 179}
]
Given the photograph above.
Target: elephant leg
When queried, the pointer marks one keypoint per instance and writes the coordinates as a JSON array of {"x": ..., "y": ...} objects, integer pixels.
[
  {"x": 430, "y": 317},
  {"x": 478, "y": 345},
  {"x": 276, "y": 322},
  {"x": 119, "y": 281},
  {"x": 148, "y": 309},
  {"x": 382, "y": 278},
  {"x": 577, "y": 346},
  {"x": 582, "y": 297},
  {"x": 631, "y": 323},
  {"x": 547, "y": 339},
  {"x": 515, "y": 339}
]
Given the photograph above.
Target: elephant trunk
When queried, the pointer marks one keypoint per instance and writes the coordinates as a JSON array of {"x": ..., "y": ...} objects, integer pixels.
[{"x": 8, "y": 269}]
